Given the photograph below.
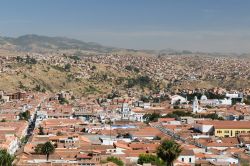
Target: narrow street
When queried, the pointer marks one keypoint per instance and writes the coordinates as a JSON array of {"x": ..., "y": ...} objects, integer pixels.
[
  {"x": 176, "y": 136},
  {"x": 31, "y": 127}
]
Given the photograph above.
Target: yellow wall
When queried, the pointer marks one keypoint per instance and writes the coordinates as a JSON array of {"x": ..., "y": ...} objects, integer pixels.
[{"x": 229, "y": 132}]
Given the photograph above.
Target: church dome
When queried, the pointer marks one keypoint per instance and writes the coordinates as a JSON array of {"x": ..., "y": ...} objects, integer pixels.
[{"x": 203, "y": 97}]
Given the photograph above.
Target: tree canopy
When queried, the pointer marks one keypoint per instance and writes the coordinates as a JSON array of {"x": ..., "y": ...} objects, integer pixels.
[
  {"x": 115, "y": 160},
  {"x": 47, "y": 149},
  {"x": 24, "y": 115},
  {"x": 169, "y": 151},
  {"x": 5, "y": 158},
  {"x": 150, "y": 158}
]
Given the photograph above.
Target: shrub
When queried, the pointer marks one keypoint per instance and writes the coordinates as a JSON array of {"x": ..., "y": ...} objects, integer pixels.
[{"x": 115, "y": 160}]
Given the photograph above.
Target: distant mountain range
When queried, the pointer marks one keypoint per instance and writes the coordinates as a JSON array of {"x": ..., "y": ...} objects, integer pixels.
[
  {"x": 36, "y": 42},
  {"x": 39, "y": 43},
  {"x": 44, "y": 43}
]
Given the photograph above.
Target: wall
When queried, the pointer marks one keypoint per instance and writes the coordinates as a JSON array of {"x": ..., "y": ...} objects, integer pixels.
[
  {"x": 204, "y": 128},
  {"x": 185, "y": 159},
  {"x": 229, "y": 132}
]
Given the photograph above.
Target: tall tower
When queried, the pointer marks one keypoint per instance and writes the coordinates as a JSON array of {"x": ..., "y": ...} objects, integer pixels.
[
  {"x": 195, "y": 105},
  {"x": 126, "y": 112}
]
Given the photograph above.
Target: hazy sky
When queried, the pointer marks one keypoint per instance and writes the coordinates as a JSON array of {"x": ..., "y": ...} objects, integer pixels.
[{"x": 199, "y": 25}]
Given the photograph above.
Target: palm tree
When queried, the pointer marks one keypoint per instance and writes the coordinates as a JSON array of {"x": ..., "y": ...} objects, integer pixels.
[
  {"x": 5, "y": 158},
  {"x": 47, "y": 149},
  {"x": 169, "y": 151}
]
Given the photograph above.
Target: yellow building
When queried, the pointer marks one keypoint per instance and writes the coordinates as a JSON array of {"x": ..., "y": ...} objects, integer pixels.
[
  {"x": 223, "y": 128},
  {"x": 229, "y": 132},
  {"x": 231, "y": 128}
]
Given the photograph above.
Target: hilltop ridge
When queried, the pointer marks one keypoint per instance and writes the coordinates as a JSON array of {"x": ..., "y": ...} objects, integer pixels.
[{"x": 32, "y": 42}]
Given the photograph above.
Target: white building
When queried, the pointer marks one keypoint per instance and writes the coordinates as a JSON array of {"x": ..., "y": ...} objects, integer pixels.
[
  {"x": 238, "y": 96},
  {"x": 128, "y": 114},
  {"x": 187, "y": 157},
  {"x": 11, "y": 143},
  {"x": 211, "y": 102},
  {"x": 225, "y": 101},
  {"x": 196, "y": 107},
  {"x": 223, "y": 160},
  {"x": 146, "y": 105},
  {"x": 215, "y": 102},
  {"x": 178, "y": 98},
  {"x": 41, "y": 115},
  {"x": 137, "y": 116},
  {"x": 203, "y": 127},
  {"x": 234, "y": 95},
  {"x": 126, "y": 111}
]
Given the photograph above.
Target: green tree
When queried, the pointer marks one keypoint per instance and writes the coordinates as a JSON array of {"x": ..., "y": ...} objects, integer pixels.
[
  {"x": 136, "y": 70},
  {"x": 115, "y": 160},
  {"x": 63, "y": 101},
  {"x": 59, "y": 133},
  {"x": 75, "y": 57},
  {"x": 38, "y": 149},
  {"x": 149, "y": 158},
  {"x": 142, "y": 81},
  {"x": 5, "y": 158},
  {"x": 130, "y": 83},
  {"x": 21, "y": 86},
  {"x": 24, "y": 115},
  {"x": 30, "y": 60},
  {"x": 178, "y": 113},
  {"x": 47, "y": 149},
  {"x": 19, "y": 59},
  {"x": 157, "y": 138},
  {"x": 37, "y": 88},
  {"x": 247, "y": 100},
  {"x": 84, "y": 130},
  {"x": 33, "y": 61},
  {"x": 145, "y": 98},
  {"x": 3, "y": 120},
  {"x": 24, "y": 140},
  {"x": 113, "y": 94},
  {"x": 169, "y": 151},
  {"x": 129, "y": 68},
  {"x": 93, "y": 68},
  {"x": 151, "y": 117},
  {"x": 212, "y": 116},
  {"x": 41, "y": 132},
  {"x": 67, "y": 67},
  {"x": 43, "y": 90}
]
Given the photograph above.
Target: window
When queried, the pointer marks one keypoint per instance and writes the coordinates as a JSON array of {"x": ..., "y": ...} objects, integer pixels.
[
  {"x": 182, "y": 159},
  {"x": 219, "y": 131},
  {"x": 190, "y": 159},
  {"x": 226, "y": 131}
]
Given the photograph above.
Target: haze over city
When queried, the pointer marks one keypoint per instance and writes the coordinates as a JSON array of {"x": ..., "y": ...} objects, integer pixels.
[{"x": 210, "y": 26}]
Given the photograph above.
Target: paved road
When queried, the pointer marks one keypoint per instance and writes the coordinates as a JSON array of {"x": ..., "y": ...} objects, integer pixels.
[{"x": 175, "y": 136}]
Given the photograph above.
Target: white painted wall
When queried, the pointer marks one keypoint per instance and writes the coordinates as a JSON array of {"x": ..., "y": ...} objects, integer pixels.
[
  {"x": 203, "y": 128},
  {"x": 187, "y": 159}
]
